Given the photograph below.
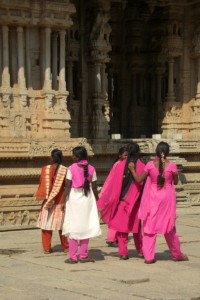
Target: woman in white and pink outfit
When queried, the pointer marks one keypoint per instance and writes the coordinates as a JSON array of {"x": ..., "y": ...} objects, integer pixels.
[{"x": 81, "y": 220}]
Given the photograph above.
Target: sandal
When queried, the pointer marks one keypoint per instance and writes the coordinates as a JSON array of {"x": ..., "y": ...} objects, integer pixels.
[
  {"x": 124, "y": 257},
  {"x": 148, "y": 262},
  {"x": 87, "y": 259},
  {"x": 140, "y": 255},
  {"x": 47, "y": 251},
  {"x": 183, "y": 258},
  {"x": 70, "y": 261},
  {"x": 66, "y": 250}
]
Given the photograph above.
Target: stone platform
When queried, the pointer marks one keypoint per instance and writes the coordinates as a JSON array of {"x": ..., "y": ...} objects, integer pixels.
[{"x": 28, "y": 274}]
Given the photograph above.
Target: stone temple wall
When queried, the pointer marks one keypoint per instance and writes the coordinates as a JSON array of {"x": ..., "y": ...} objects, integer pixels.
[
  {"x": 79, "y": 72},
  {"x": 20, "y": 170}
]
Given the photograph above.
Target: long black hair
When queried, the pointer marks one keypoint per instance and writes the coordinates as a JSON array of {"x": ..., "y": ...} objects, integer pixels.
[
  {"x": 133, "y": 150},
  {"x": 57, "y": 158},
  {"x": 162, "y": 151},
  {"x": 80, "y": 153}
]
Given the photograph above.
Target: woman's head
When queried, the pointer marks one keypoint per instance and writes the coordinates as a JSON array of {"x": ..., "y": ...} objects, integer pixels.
[
  {"x": 133, "y": 153},
  {"x": 56, "y": 156},
  {"x": 80, "y": 153},
  {"x": 133, "y": 149},
  {"x": 162, "y": 150},
  {"x": 122, "y": 153}
]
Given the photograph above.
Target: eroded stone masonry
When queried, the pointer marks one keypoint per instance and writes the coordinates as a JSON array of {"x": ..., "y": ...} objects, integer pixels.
[{"x": 84, "y": 72}]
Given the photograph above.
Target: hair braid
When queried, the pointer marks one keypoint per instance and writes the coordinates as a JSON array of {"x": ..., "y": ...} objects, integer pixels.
[
  {"x": 86, "y": 186},
  {"x": 161, "y": 178}
]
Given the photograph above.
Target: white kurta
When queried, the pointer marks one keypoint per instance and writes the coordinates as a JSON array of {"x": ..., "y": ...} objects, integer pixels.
[{"x": 81, "y": 219}]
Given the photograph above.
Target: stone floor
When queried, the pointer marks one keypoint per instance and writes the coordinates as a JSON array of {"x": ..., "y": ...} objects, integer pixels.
[{"x": 28, "y": 274}]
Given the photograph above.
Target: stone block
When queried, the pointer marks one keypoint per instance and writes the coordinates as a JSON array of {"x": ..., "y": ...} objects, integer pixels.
[
  {"x": 116, "y": 136},
  {"x": 177, "y": 136},
  {"x": 156, "y": 136}
]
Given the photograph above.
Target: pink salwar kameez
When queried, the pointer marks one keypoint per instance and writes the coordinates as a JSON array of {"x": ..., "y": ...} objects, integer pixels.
[
  {"x": 158, "y": 211},
  {"x": 81, "y": 221},
  {"x": 122, "y": 214},
  {"x": 111, "y": 235}
]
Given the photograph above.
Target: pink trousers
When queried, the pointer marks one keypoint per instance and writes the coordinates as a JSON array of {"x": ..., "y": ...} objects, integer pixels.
[
  {"x": 123, "y": 242},
  {"x": 111, "y": 235},
  {"x": 172, "y": 239},
  {"x": 73, "y": 249}
]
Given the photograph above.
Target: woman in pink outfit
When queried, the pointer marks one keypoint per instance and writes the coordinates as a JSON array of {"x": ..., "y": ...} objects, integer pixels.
[
  {"x": 111, "y": 240},
  {"x": 158, "y": 204},
  {"x": 119, "y": 201}
]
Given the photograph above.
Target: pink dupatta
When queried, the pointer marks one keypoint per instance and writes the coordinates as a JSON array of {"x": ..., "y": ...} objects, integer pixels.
[{"x": 110, "y": 193}]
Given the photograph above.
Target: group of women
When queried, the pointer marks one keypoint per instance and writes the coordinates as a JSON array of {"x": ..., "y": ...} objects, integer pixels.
[{"x": 135, "y": 198}]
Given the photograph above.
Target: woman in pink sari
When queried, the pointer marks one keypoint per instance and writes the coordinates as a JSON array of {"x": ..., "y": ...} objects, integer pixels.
[
  {"x": 119, "y": 201},
  {"x": 158, "y": 204}
]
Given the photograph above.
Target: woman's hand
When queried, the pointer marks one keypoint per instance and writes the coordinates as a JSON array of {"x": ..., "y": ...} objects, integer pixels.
[{"x": 131, "y": 166}]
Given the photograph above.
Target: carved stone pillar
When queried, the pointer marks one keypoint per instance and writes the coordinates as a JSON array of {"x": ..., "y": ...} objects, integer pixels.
[
  {"x": 5, "y": 66},
  {"x": 47, "y": 70},
  {"x": 198, "y": 79},
  {"x": 110, "y": 87},
  {"x": 70, "y": 87},
  {"x": 62, "y": 82},
  {"x": 28, "y": 61},
  {"x": 54, "y": 59},
  {"x": 103, "y": 79},
  {"x": 20, "y": 45},
  {"x": 21, "y": 74},
  {"x": 1, "y": 57},
  {"x": 97, "y": 78},
  {"x": 170, "y": 94},
  {"x": 159, "y": 105},
  {"x": 47, "y": 51}
]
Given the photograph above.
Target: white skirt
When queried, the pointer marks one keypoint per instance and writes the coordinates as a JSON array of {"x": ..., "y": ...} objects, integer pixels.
[{"x": 81, "y": 219}]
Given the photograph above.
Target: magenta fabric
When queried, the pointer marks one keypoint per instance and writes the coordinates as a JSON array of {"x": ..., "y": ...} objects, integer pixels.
[
  {"x": 73, "y": 249},
  {"x": 125, "y": 218},
  {"x": 111, "y": 235},
  {"x": 123, "y": 243},
  {"x": 109, "y": 195},
  {"x": 158, "y": 205},
  {"x": 120, "y": 215},
  {"x": 172, "y": 239},
  {"x": 78, "y": 178}
]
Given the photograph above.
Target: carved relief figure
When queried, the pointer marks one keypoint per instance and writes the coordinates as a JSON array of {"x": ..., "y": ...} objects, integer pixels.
[
  {"x": 6, "y": 100},
  {"x": 18, "y": 122},
  {"x": 19, "y": 218},
  {"x": 12, "y": 218},
  {"x": 49, "y": 102},
  {"x": 23, "y": 101},
  {"x": 98, "y": 28},
  {"x": 29, "y": 217}
]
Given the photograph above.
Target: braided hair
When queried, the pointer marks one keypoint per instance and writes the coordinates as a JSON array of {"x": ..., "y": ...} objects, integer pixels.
[
  {"x": 81, "y": 154},
  {"x": 133, "y": 154},
  {"x": 57, "y": 158},
  {"x": 162, "y": 151}
]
